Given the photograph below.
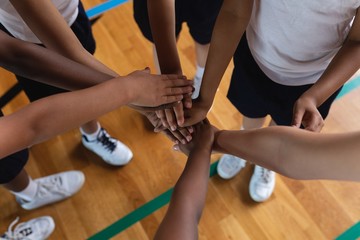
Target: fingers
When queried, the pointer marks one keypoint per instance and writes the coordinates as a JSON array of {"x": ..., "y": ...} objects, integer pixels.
[
  {"x": 171, "y": 119},
  {"x": 161, "y": 115},
  {"x": 152, "y": 109},
  {"x": 171, "y": 136},
  {"x": 313, "y": 123},
  {"x": 181, "y": 135},
  {"x": 187, "y": 101},
  {"x": 173, "y": 77},
  {"x": 171, "y": 91},
  {"x": 297, "y": 117},
  {"x": 179, "y": 113}
]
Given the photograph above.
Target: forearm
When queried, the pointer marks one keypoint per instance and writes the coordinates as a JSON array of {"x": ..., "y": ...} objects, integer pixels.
[
  {"x": 43, "y": 65},
  {"x": 162, "y": 23},
  {"x": 341, "y": 69},
  {"x": 50, "y": 116},
  {"x": 55, "y": 34},
  {"x": 188, "y": 199},
  {"x": 296, "y": 153},
  {"x": 229, "y": 27}
]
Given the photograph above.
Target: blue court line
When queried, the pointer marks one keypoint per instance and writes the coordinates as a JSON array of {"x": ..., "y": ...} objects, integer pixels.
[
  {"x": 352, "y": 233},
  {"x": 104, "y": 7},
  {"x": 349, "y": 86},
  {"x": 140, "y": 213}
]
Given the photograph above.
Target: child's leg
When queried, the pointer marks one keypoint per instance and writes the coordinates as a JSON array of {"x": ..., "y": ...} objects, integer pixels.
[
  {"x": 36, "y": 193},
  {"x": 202, "y": 51}
]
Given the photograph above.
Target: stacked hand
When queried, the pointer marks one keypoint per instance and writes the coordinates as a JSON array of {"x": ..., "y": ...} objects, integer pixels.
[
  {"x": 306, "y": 113},
  {"x": 149, "y": 90}
]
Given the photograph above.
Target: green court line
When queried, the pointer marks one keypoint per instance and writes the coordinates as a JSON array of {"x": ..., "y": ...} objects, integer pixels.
[
  {"x": 140, "y": 213},
  {"x": 352, "y": 233}
]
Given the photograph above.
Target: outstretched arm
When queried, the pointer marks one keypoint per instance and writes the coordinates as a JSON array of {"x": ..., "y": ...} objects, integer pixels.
[
  {"x": 48, "y": 67},
  {"x": 230, "y": 25},
  {"x": 162, "y": 21},
  {"x": 56, "y": 34},
  {"x": 49, "y": 116},
  {"x": 188, "y": 199},
  {"x": 43, "y": 65},
  {"x": 296, "y": 153}
]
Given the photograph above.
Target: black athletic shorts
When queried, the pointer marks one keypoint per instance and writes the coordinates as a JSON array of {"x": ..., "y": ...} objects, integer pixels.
[
  {"x": 200, "y": 16},
  {"x": 255, "y": 95},
  {"x": 82, "y": 28}
]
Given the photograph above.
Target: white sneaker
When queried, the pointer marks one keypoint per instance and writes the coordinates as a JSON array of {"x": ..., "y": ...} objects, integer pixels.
[
  {"x": 197, "y": 86},
  {"x": 109, "y": 149},
  {"x": 262, "y": 184},
  {"x": 54, "y": 188},
  {"x": 229, "y": 166},
  {"x": 36, "y": 229}
]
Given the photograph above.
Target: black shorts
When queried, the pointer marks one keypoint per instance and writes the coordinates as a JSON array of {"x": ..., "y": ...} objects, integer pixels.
[
  {"x": 82, "y": 29},
  {"x": 200, "y": 16},
  {"x": 12, "y": 165},
  {"x": 255, "y": 95}
]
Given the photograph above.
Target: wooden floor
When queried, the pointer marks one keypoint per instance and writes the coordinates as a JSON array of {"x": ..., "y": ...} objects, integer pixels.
[{"x": 297, "y": 209}]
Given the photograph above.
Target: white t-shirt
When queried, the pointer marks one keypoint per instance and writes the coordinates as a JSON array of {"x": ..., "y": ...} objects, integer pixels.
[
  {"x": 293, "y": 41},
  {"x": 18, "y": 28}
]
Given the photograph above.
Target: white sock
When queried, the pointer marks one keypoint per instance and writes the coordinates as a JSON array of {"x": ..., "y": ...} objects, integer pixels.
[
  {"x": 91, "y": 136},
  {"x": 197, "y": 81},
  {"x": 29, "y": 192}
]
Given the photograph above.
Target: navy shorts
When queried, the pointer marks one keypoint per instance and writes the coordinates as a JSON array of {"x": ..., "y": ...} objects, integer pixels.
[
  {"x": 255, "y": 95},
  {"x": 200, "y": 16},
  {"x": 12, "y": 165}
]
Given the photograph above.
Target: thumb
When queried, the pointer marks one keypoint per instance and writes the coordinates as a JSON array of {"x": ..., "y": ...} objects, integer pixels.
[
  {"x": 297, "y": 117},
  {"x": 146, "y": 70}
]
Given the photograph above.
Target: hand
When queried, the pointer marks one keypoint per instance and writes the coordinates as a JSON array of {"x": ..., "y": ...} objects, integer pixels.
[
  {"x": 181, "y": 135},
  {"x": 306, "y": 113},
  {"x": 196, "y": 114},
  {"x": 174, "y": 117},
  {"x": 204, "y": 134},
  {"x": 146, "y": 89}
]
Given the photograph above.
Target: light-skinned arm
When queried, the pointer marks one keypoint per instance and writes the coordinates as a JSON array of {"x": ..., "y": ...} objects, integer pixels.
[
  {"x": 49, "y": 116},
  {"x": 296, "y": 153},
  {"x": 188, "y": 199},
  {"x": 230, "y": 25},
  {"x": 343, "y": 66}
]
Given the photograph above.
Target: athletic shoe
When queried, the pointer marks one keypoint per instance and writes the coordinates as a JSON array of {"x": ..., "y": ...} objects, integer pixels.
[
  {"x": 197, "y": 86},
  {"x": 36, "y": 229},
  {"x": 229, "y": 166},
  {"x": 54, "y": 188},
  {"x": 109, "y": 149},
  {"x": 262, "y": 184}
]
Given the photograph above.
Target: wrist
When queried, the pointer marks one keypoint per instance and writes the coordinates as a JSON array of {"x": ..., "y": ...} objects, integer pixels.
[
  {"x": 217, "y": 141},
  {"x": 127, "y": 83}
]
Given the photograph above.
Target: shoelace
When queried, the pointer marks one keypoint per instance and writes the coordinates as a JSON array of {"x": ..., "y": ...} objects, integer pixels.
[
  {"x": 105, "y": 139},
  {"x": 265, "y": 175},
  {"x": 53, "y": 185},
  {"x": 19, "y": 233}
]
